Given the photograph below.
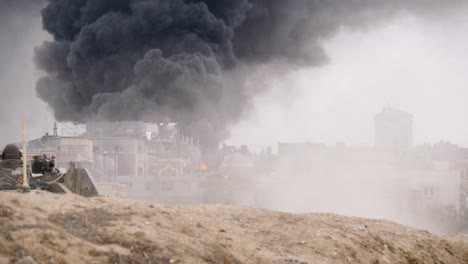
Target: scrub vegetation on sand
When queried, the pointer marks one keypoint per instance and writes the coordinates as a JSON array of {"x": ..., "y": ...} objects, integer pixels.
[{"x": 41, "y": 227}]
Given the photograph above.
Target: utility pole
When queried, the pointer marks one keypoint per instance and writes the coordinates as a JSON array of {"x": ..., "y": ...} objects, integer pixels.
[
  {"x": 25, "y": 186},
  {"x": 55, "y": 129}
]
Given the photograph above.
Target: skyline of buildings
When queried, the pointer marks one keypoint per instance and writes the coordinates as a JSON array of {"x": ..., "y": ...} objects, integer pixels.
[{"x": 393, "y": 179}]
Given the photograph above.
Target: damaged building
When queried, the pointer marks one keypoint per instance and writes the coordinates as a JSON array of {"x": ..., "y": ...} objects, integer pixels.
[
  {"x": 242, "y": 177},
  {"x": 155, "y": 161},
  {"x": 151, "y": 161}
]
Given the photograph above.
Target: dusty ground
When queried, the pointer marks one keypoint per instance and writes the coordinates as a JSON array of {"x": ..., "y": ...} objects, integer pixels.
[{"x": 42, "y": 227}]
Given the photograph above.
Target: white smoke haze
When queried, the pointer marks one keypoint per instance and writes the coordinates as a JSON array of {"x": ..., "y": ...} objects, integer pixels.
[{"x": 413, "y": 63}]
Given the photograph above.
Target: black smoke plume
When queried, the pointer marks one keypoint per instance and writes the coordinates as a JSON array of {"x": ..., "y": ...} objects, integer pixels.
[{"x": 147, "y": 59}]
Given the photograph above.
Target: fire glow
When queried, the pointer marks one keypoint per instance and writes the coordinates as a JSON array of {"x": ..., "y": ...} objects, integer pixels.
[{"x": 203, "y": 166}]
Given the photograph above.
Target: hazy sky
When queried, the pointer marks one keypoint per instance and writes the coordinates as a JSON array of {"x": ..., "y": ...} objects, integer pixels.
[
  {"x": 20, "y": 32},
  {"x": 416, "y": 65}
]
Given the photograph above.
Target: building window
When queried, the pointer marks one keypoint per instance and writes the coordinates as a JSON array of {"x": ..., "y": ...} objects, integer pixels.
[
  {"x": 118, "y": 149},
  {"x": 430, "y": 192},
  {"x": 183, "y": 187},
  {"x": 167, "y": 186},
  {"x": 148, "y": 187},
  {"x": 126, "y": 165}
]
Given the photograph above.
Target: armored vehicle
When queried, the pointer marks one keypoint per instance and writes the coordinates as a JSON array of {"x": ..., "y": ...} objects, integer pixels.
[{"x": 43, "y": 175}]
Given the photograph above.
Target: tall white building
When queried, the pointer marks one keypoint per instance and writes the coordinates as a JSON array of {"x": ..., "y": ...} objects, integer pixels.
[{"x": 393, "y": 130}]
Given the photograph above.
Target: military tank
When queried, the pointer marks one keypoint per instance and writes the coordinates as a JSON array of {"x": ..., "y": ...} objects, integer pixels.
[{"x": 43, "y": 175}]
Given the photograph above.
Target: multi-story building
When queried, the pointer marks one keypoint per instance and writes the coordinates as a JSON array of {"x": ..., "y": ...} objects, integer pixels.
[
  {"x": 393, "y": 130},
  {"x": 78, "y": 149},
  {"x": 118, "y": 155},
  {"x": 133, "y": 159},
  {"x": 423, "y": 184},
  {"x": 173, "y": 161},
  {"x": 155, "y": 161}
]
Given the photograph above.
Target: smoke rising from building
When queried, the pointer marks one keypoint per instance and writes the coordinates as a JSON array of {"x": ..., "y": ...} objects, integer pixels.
[{"x": 144, "y": 60}]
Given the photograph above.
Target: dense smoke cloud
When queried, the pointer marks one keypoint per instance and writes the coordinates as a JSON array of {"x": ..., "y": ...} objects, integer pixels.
[{"x": 146, "y": 59}]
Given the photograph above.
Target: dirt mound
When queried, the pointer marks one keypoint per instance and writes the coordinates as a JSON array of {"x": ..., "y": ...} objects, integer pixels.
[{"x": 42, "y": 227}]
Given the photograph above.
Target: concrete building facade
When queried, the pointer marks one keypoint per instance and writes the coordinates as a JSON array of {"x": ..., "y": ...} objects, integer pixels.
[
  {"x": 155, "y": 161},
  {"x": 393, "y": 130}
]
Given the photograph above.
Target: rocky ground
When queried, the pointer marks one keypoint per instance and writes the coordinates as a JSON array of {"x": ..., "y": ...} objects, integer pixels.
[{"x": 41, "y": 227}]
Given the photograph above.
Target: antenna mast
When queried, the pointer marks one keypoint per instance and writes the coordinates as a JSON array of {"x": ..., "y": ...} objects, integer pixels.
[{"x": 26, "y": 186}]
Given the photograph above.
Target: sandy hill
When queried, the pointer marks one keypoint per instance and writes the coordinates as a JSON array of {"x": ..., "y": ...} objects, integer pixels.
[{"x": 41, "y": 227}]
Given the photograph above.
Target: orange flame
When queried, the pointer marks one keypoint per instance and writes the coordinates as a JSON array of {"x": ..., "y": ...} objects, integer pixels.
[{"x": 203, "y": 166}]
